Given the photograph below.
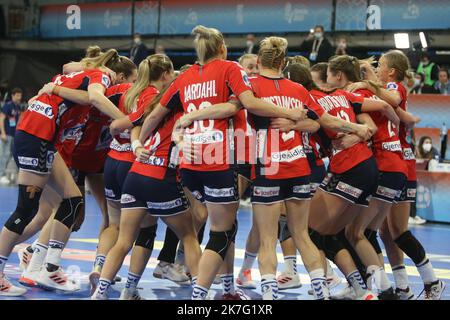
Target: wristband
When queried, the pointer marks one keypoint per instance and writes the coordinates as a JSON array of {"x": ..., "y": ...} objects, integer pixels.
[{"x": 134, "y": 145}]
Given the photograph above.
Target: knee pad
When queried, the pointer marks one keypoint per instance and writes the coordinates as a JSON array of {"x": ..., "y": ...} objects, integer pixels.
[
  {"x": 283, "y": 230},
  {"x": 69, "y": 210},
  {"x": 146, "y": 237},
  {"x": 316, "y": 238},
  {"x": 220, "y": 241},
  {"x": 27, "y": 207},
  {"x": 411, "y": 246},
  {"x": 371, "y": 235},
  {"x": 332, "y": 245}
]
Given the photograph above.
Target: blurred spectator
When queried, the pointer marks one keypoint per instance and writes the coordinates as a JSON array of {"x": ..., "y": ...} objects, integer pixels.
[
  {"x": 443, "y": 85},
  {"x": 250, "y": 64},
  {"x": 426, "y": 152},
  {"x": 9, "y": 117},
  {"x": 418, "y": 83},
  {"x": 160, "y": 49},
  {"x": 250, "y": 44},
  {"x": 317, "y": 46},
  {"x": 341, "y": 47},
  {"x": 138, "y": 51},
  {"x": 430, "y": 71}
]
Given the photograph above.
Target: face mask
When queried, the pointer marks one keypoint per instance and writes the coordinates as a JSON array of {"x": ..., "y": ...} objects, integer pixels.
[
  {"x": 249, "y": 43},
  {"x": 137, "y": 40},
  {"x": 426, "y": 147},
  {"x": 318, "y": 35},
  {"x": 416, "y": 82}
]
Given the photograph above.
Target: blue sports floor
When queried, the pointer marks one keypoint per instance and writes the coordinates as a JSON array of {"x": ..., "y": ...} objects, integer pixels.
[{"x": 80, "y": 252}]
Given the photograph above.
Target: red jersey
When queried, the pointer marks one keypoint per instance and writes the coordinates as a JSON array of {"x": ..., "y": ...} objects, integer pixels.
[
  {"x": 121, "y": 144},
  {"x": 280, "y": 154},
  {"x": 346, "y": 106},
  {"x": 310, "y": 146},
  {"x": 164, "y": 154},
  {"x": 386, "y": 145},
  {"x": 404, "y": 134},
  {"x": 44, "y": 115},
  {"x": 199, "y": 87}
]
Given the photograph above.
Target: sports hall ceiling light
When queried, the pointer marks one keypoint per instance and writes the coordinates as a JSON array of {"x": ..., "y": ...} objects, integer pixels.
[
  {"x": 423, "y": 40},
  {"x": 401, "y": 40}
]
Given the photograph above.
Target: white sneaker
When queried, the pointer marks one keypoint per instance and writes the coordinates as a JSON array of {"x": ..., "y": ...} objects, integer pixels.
[
  {"x": 97, "y": 296},
  {"x": 56, "y": 280},
  {"x": 405, "y": 294},
  {"x": 128, "y": 294},
  {"x": 29, "y": 278},
  {"x": 434, "y": 291},
  {"x": 416, "y": 220},
  {"x": 348, "y": 293},
  {"x": 170, "y": 272},
  {"x": 24, "y": 258},
  {"x": 334, "y": 281},
  {"x": 244, "y": 279},
  {"x": 217, "y": 280},
  {"x": 7, "y": 289},
  {"x": 4, "y": 180},
  {"x": 368, "y": 295},
  {"x": 288, "y": 281}
]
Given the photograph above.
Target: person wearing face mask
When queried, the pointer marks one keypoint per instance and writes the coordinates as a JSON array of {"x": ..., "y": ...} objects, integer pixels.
[
  {"x": 250, "y": 45},
  {"x": 430, "y": 70},
  {"x": 443, "y": 85},
  {"x": 138, "y": 50},
  {"x": 426, "y": 151},
  {"x": 316, "y": 46}
]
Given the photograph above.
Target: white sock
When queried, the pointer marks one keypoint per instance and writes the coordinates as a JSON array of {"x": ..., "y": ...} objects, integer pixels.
[
  {"x": 132, "y": 281},
  {"x": 39, "y": 254},
  {"x": 269, "y": 287},
  {"x": 290, "y": 265},
  {"x": 199, "y": 293},
  {"x": 3, "y": 260},
  {"x": 356, "y": 281},
  {"x": 319, "y": 284},
  {"x": 227, "y": 283},
  {"x": 380, "y": 277},
  {"x": 400, "y": 276},
  {"x": 249, "y": 260},
  {"x": 330, "y": 271},
  {"x": 54, "y": 252},
  {"x": 99, "y": 261},
  {"x": 103, "y": 285},
  {"x": 426, "y": 271}
]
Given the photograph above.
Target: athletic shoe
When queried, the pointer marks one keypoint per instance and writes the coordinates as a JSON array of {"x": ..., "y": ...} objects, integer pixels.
[
  {"x": 368, "y": 295},
  {"x": 128, "y": 294},
  {"x": 29, "y": 278},
  {"x": 348, "y": 293},
  {"x": 238, "y": 295},
  {"x": 94, "y": 277},
  {"x": 25, "y": 257},
  {"x": 4, "y": 180},
  {"x": 7, "y": 289},
  {"x": 288, "y": 281},
  {"x": 405, "y": 294},
  {"x": 388, "y": 294},
  {"x": 97, "y": 296},
  {"x": 333, "y": 281},
  {"x": 170, "y": 272},
  {"x": 416, "y": 220},
  {"x": 244, "y": 279},
  {"x": 217, "y": 280},
  {"x": 433, "y": 291},
  {"x": 56, "y": 280}
]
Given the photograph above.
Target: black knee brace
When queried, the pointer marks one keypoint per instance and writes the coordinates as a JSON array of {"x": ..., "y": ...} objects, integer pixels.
[
  {"x": 283, "y": 230},
  {"x": 146, "y": 237},
  {"x": 220, "y": 241},
  {"x": 332, "y": 245},
  {"x": 27, "y": 207},
  {"x": 68, "y": 211},
  {"x": 411, "y": 246},
  {"x": 316, "y": 238},
  {"x": 371, "y": 235}
]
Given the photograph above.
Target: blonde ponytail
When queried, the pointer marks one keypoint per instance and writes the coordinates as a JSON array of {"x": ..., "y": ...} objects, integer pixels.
[
  {"x": 101, "y": 60},
  {"x": 93, "y": 51},
  {"x": 208, "y": 42},
  {"x": 272, "y": 52}
]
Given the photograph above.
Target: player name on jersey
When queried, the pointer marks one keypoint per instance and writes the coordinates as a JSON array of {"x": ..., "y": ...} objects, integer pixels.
[
  {"x": 284, "y": 102},
  {"x": 331, "y": 102},
  {"x": 201, "y": 90}
]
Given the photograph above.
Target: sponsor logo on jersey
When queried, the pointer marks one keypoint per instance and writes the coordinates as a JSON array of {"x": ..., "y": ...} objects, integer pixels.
[
  {"x": 411, "y": 193},
  {"x": 219, "y": 193},
  {"x": 306, "y": 188},
  {"x": 27, "y": 161},
  {"x": 205, "y": 137},
  {"x": 288, "y": 155},
  {"x": 246, "y": 79},
  {"x": 106, "y": 81},
  {"x": 155, "y": 161},
  {"x": 266, "y": 191},
  {"x": 109, "y": 193},
  {"x": 387, "y": 192},
  {"x": 127, "y": 198},
  {"x": 392, "y": 86},
  {"x": 50, "y": 159},
  {"x": 42, "y": 108},
  {"x": 408, "y": 154},
  {"x": 73, "y": 133},
  {"x": 165, "y": 205},
  {"x": 348, "y": 189},
  {"x": 393, "y": 146},
  {"x": 125, "y": 147}
]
